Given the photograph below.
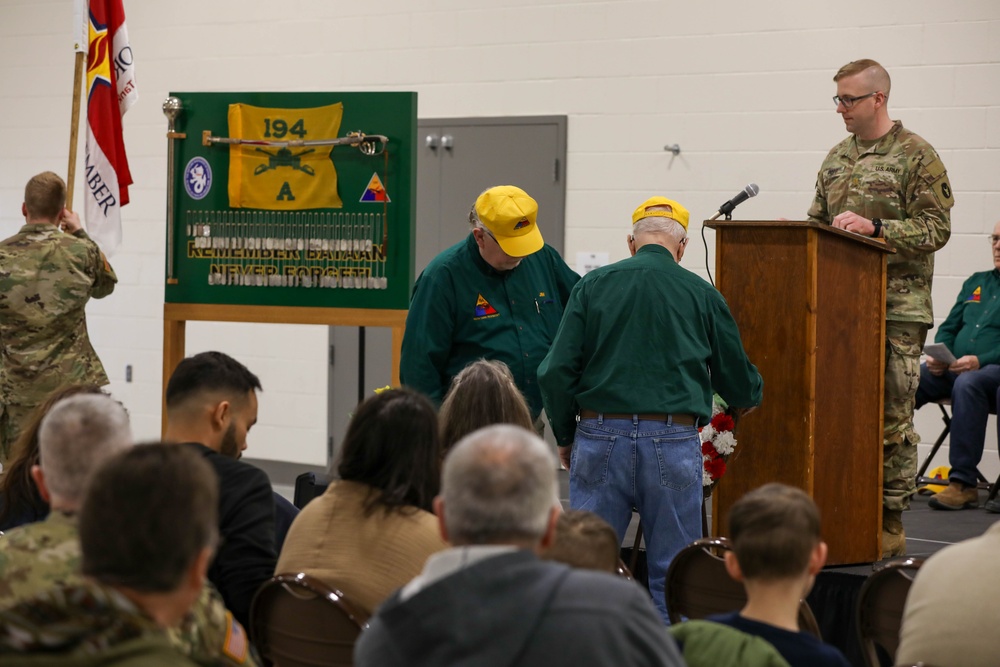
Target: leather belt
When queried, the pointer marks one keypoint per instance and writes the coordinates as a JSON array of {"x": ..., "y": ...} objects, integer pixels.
[{"x": 682, "y": 419}]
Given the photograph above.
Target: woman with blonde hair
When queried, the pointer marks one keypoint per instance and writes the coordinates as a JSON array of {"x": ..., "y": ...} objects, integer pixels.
[{"x": 481, "y": 395}]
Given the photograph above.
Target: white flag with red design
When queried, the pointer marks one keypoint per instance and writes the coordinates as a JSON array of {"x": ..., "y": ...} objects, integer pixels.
[{"x": 110, "y": 92}]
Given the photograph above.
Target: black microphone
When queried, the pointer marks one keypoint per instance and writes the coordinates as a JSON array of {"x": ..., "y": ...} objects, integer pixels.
[{"x": 747, "y": 192}]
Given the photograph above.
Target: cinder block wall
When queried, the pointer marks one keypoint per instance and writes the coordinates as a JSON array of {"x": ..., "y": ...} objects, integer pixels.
[{"x": 743, "y": 88}]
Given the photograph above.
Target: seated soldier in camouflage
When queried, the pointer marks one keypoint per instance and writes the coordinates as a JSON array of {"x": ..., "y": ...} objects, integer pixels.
[
  {"x": 78, "y": 435},
  {"x": 138, "y": 582}
]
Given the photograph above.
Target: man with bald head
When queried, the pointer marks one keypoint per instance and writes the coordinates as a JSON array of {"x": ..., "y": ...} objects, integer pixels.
[
  {"x": 884, "y": 181},
  {"x": 490, "y": 600},
  {"x": 642, "y": 347}
]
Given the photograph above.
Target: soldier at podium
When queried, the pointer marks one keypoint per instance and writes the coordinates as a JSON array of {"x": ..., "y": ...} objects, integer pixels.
[{"x": 884, "y": 181}]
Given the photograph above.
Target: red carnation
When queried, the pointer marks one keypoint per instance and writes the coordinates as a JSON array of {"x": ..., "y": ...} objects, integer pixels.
[
  {"x": 708, "y": 449},
  {"x": 716, "y": 468},
  {"x": 723, "y": 422}
]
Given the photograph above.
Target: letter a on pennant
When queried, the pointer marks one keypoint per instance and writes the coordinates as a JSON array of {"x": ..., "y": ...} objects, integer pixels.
[{"x": 283, "y": 178}]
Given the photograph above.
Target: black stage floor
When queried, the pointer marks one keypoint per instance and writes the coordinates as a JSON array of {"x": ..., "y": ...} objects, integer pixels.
[{"x": 835, "y": 594}]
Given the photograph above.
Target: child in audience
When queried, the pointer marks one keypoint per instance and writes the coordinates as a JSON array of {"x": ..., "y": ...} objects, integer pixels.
[
  {"x": 584, "y": 540},
  {"x": 777, "y": 552}
]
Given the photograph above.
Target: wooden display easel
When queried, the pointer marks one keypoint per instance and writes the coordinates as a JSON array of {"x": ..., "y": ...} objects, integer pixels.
[
  {"x": 177, "y": 315},
  {"x": 809, "y": 301}
]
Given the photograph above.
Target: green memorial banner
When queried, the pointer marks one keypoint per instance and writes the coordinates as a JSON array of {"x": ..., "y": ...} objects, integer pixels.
[{"x": 266, "y": 208}]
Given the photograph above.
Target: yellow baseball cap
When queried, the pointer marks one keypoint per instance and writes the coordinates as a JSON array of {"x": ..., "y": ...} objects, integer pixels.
[
  {"x": 677, "y": 213},
  {"x": 509, "y": 213}
]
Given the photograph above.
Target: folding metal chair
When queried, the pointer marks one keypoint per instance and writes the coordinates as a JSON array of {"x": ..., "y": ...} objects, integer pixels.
[
  {"x": 698, "y": 585},
  {"x": 298, "y": 621},
  {"x": 922, "y": 480},
  {"x": 880, "y": 609}
]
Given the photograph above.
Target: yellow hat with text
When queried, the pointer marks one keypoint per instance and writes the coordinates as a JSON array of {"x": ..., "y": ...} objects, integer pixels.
[
  {"x": 670, "y": 209},
  {"x": 509, "y": 213}
]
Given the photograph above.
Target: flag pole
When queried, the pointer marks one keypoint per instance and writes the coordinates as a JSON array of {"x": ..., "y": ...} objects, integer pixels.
[
  {"x": 80, "y": 46},
  {"x": 74, "y": 128}
]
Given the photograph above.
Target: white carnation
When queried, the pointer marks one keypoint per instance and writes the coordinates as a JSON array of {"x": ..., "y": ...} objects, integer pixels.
[
  {"x": 716, "y": 408},
  {"x": 725, "y": 443},
  {"x": 707, "y": 433},
  {"x": 706, "y": 479}
]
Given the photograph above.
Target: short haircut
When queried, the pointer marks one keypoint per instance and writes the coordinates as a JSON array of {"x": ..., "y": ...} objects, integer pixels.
[
  {"x": 76, "y": 436},
  {"x": 45, "y": 196},
  {"x": 147, "y": 516},
  {"x": 499, "y": 485},
  {"x": 482, "y": 394},
  {"x": 877, "y": 76},
  {"x": 585, "y": 540},
  {"x": 18, "y": 492},
  {"x": 660, "y": 225},
  {"x": 209, "y": 373},
  {"x": 773, "y": 530},
  {"x": 392, "y": 446}
]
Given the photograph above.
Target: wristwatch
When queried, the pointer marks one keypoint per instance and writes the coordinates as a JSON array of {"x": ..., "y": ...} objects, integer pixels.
[{"x": 878, "y": 227}]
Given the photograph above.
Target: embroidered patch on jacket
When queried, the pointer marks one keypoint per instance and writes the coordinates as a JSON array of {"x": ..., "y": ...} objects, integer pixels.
[
  {"x": 236, "y": 644},
  {"x": 484, "y": 309},
  {"x": 974, "y": 297}
]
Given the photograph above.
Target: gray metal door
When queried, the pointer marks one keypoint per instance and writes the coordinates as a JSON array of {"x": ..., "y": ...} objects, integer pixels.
[{"x": 457, "y": 159}]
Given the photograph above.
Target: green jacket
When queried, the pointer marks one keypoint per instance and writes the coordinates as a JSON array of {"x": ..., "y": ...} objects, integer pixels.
[
  {"x": 708, "y": 644},
  {"x": 973, "y": 325},
  {"x": 902, "y": 181},
  {"x": 46, "y": 279},
  {"x": 81, "y": 626},
  {"x": 463, "y": 310},
  {"x": 644, "y": 335}
]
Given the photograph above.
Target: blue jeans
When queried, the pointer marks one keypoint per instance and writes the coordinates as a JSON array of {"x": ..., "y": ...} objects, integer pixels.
[
  {"x": 973, "y": 397},
  {"x": 655, "y": 466}
]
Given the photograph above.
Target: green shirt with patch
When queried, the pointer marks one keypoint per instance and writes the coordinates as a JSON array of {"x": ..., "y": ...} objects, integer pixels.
[
  {"x": 973, "y": 325},
  {"x": 463, "y": 310}
]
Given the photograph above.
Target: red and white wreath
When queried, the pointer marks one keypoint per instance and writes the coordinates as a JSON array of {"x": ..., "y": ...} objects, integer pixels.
[{"x": 717, "y": 444}]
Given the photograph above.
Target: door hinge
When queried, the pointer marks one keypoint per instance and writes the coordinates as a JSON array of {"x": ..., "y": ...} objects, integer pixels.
[
  {"x": 555, "y": 171},
  {"x": 331, "y": 356}
]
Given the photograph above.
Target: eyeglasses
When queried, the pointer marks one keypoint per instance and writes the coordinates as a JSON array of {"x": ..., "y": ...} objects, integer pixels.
[
  {"x": 849, "y": 101},
  {"x": 993, "y": 239}
]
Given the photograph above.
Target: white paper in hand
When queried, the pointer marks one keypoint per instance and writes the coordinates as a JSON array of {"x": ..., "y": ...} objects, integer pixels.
[{"x": 940, "y": 352}]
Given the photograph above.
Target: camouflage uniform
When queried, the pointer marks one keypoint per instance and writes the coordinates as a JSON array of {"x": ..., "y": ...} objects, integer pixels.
[
  {"x": 83, "y": 625},
  {"x": 46, "y": 279},
  {"x": 902, "y": 181},
  {"x": 45, "y": 555}
]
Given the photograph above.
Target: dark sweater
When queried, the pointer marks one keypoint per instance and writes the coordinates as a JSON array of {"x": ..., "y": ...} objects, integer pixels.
[{"x": 246, "y": 556}]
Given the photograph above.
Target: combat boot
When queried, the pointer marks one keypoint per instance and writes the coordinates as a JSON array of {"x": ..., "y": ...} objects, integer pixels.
[
  {"x": 893, "y": 534},
  {"x": 957, "y": 496}
]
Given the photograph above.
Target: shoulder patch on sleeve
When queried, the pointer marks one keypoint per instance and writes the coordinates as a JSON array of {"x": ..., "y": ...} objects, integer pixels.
[
  {"x": 236, "y": 645},
  {"x": 942, "y": 190}
]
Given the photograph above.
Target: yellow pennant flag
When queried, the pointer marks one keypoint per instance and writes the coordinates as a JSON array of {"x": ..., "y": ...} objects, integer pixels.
[{"x": 286, "y": 178}]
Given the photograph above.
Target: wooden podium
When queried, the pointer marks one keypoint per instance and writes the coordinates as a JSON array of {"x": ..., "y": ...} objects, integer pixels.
[{"x": 809, "y": 301}]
